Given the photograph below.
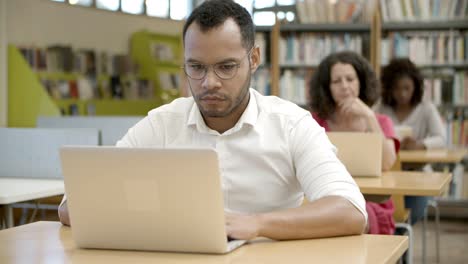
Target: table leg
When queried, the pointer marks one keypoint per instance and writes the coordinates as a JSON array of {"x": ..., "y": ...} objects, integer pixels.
[
  {"x": 9, "y": 216},
  {"x": 400, "y": 211}
]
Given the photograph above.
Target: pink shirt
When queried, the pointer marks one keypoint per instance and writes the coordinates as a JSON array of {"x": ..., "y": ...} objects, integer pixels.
[{"x": 380, "y": 215}]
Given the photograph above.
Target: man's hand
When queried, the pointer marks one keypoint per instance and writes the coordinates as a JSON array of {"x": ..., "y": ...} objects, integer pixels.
[{"x": 241, "y": 226}]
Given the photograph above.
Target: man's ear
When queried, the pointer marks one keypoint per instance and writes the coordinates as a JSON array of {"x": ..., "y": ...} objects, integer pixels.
[{"x": 254, "y": 59}]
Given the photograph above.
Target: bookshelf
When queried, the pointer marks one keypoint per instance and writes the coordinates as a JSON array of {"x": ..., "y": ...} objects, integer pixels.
[
  {"x": 439, "y": 49},
  {"x": 437, "y": 43},
  {"x": 319, "y": 28},
  {"x": 28, "y": 98},
  {"x": 294, "y": 51},
  {"x": 43, "y": 23},
  {"x": 160, "y": 59},
  {"x": 266, "y": 78},
  {"x": 434, "y": 11}
]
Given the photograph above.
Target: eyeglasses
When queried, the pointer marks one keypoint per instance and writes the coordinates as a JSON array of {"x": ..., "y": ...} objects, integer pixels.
[{"x": 224, "y": 70}]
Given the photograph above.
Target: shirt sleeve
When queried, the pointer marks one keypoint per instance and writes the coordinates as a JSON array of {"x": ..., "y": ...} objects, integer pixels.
[
  {"x": 386, "y": 124},
  {"x": 436, "y": 135},
  {"x": 142, "y": 134},
  {"x": 318, "y": 169}
]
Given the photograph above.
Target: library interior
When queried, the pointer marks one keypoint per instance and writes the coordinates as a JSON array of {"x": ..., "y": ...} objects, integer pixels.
[{"x": 118, "y": 143}]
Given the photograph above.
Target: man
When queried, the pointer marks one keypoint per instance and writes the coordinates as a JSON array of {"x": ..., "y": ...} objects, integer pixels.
[{"x": 270, "y": 151}]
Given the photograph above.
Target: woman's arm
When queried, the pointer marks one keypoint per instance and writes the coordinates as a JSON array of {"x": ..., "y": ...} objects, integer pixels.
[
  {"x": 436, "y": 136},
  {"x": 388, "y": 147}
]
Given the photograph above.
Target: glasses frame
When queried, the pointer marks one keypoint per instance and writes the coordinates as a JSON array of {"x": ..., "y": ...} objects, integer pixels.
[{"x": 207, "y": 68}]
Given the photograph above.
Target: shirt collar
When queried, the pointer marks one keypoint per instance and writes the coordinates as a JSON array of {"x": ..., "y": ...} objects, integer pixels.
[{"x": 249, "y": 116}]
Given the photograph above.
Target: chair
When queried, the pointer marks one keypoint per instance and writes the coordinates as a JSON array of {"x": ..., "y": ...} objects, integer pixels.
[
  {"x": 433, "y": 204},
  {"x": 403, "y": 223},
  {"x": 33, "y": 153}
]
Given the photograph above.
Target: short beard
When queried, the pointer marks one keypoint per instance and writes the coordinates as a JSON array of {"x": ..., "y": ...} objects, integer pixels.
[{"x": 235, "y": 104}]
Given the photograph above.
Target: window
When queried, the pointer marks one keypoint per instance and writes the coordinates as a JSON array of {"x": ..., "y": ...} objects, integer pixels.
[
  {"x": 264, "y": 4},
  {"x": 81, "y": 2},
  {"x": 135, "y": 7},
  {"x": 247, "y": 4},
  {"x": 112, "y": 5},
  {"x": 285, "y": 2},
  {"x": 179, "y": 9},
  {"x": 264, "y": 18},
  {"x": 264, "y": 12},
  {"x": 157, "y": 8}
]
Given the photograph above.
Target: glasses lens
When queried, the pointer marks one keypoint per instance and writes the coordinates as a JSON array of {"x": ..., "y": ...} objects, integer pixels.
[
  {"x": 195, "y": 71},
  {"x": 226, "y": 70}
]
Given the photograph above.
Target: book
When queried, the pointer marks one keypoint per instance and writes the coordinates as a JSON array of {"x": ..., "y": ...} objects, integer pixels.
[
  {"x": 162, "y": 51},
  {"x": 168, "y": 81}
]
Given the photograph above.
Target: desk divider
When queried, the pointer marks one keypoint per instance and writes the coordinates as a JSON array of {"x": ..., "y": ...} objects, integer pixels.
[
  {"x": 34, "y": 152},
  {"x": 112, "y": 128}
]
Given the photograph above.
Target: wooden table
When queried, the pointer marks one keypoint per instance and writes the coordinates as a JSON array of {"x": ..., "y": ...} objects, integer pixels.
[
  {"x": 50, "y": 242},
  {"x": 432, "y": 156},
  {"x": 405, "y": 183},
  {"x": 14, "y": 190},
  {"x": 453, "y": 156},
  {"x": 401, "y": 183}
]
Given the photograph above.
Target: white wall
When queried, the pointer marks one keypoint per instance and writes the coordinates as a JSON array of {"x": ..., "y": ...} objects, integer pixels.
[
  {"x": 3, "y": 65},
  {"x": 43, "y": 22}
]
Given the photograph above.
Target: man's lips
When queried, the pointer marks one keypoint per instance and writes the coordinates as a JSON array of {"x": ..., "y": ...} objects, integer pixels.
[{"x": 212, "y": 98}]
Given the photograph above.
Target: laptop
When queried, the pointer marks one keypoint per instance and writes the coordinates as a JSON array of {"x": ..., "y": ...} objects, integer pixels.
[
  {"x": 145, "y": 199},
  {"x": 360, "y": 152}
]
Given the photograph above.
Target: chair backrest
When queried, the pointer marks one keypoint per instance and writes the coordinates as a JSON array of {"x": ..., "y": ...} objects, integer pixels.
[
  {"x": 111, "y": 128},
  {"x": 34, "y": 152}
]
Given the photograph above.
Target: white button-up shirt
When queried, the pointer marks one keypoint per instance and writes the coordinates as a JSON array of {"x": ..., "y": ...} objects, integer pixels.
[{"x": 274, "y": 155}]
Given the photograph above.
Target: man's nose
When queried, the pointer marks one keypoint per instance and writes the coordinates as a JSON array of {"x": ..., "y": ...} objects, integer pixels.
[{"x": 211, "y": 80}]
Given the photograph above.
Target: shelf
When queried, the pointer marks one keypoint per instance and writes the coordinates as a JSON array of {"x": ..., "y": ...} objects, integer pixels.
[
  {"x": 456, "y": 66},
  {"x": 58, "y": 75},
  {"x": 278, "y": 8},
  {"x": 264, "y": 66},
  {"x": 297, "y": 65},
  {"x": 347, "y": 28},
  {"x": 451, "y": 106},
  {"x": 168, "y": 64},
  {"x": 263, "y": 29},
  {"x": 109, "y": 106},
  {"x": 430, "y": 25}
]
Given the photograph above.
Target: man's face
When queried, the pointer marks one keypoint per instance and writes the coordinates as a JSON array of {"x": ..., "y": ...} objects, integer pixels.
[{"x": 219, "y": 48}]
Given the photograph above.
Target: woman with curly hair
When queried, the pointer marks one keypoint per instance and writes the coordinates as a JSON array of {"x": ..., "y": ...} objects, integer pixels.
[
  {"x": 402, "y": 95},
  {"x": 342, "y": 91}
]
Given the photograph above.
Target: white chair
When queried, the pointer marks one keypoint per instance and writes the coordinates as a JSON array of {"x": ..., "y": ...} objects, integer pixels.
[
  {"x": 409, "y": 230},
  {"x": 435, "y": 206}
]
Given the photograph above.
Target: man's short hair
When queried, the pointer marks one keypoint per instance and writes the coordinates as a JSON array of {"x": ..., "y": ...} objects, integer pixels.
[{"x": 213, "y": 13}]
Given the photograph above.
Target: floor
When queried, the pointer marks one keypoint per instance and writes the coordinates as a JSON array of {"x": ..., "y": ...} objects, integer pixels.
[
  {"x": 453, "y": 236},
  {"x": 453, "y": 242}
]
